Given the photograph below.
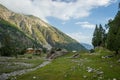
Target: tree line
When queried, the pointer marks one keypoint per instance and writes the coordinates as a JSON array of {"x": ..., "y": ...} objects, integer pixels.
[{"x": 109, "y": 39}]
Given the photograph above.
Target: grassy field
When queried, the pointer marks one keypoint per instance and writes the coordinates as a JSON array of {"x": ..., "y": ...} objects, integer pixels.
[
  {"x": 10, "y": 64},
  {"x": 87, "y": 67}
]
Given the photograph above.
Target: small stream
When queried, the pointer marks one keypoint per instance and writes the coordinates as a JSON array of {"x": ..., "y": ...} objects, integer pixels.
[{"x": 5, "y": 76}]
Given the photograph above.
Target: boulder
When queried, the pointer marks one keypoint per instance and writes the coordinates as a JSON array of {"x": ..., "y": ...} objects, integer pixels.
[
  {"x": 76, "y": 55},
  {"x": 108, "y": 56},
  {"x": 118, "y": 61},
  {"x": 54, "y": 53}
]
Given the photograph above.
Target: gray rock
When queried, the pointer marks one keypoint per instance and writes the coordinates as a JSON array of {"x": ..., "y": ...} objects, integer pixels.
[
  {"x": 5, "y": 76},
  {"x": 114, "y": 79},
  {"x": 118, "y": 61},
  {"x": 84, "y": 76},
  {"x": 89, "y": 69},
  {"x": 34, "y": 77},
  {"x": 76, "y": 55},
  {"x": 100, "y": 72}
]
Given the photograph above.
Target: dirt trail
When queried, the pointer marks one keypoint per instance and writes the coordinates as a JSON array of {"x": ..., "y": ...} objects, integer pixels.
[{"x": 5, "y": 76}]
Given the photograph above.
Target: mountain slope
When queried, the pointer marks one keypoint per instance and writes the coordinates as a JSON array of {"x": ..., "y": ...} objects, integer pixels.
[
  {"x": 87, "y": 46},
  {"x": 39, "y": 31},
  {"x": 13, "y": 40}
]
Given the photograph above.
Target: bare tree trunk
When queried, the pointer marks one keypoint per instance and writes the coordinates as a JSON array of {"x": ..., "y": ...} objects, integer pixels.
[{"x": 116, "y": 52}]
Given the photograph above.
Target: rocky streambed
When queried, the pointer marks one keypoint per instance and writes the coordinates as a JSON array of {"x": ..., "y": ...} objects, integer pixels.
[{"x": 5, "y": 76}]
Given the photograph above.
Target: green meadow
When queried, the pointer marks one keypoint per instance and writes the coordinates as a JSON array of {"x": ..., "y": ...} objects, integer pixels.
[{"x": 89, "y": 66}]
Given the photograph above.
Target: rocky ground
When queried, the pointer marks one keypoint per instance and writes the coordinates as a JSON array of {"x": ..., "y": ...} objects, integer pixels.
[{"x": 5, "y": 76}]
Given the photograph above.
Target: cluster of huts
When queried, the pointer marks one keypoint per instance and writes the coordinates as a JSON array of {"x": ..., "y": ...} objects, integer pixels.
[{"x": 33, "y": 51}]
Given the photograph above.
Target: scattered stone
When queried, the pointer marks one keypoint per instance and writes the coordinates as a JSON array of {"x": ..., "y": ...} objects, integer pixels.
[
  {"x": 100, "y": 67},
  {"x": 74, "y": 51},
  {"x": 34, "y": 77},
  {"x": 76, "y": 61},
  {"x": 111, "y": 66},
  {"x": 65, "y": 75},
  {"x": 103, "y": 57},
  {"x": 114, "y": 79},
  {"x": 118, "y": 61},
  {"x": 85, "y": 58},
  {"x": 100, "y": 78},
  {"x": 94, "y": 76},
  {"x": 81, "y": 64},
  {"x": 84, "y": 76},
  {"x": 78, "y": 64},
  {"x": 76, "y": 55},
  {"x": 100, "y": 72},
  {"x": 74, "y": 68},
  {"x": 89, "y": 69},
  {"x": 108, "y": 56}
]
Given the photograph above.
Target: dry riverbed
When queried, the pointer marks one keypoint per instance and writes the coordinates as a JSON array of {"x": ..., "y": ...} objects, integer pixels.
[{"x": 5, "y": 76}]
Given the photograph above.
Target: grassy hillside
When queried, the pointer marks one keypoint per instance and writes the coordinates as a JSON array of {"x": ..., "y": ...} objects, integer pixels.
[
  {"x": 13, "y": 40},
  {"x": 87, "y": 67}
]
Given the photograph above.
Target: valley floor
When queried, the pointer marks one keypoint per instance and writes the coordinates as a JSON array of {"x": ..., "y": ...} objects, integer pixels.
[{"x": 89, "y": 66}]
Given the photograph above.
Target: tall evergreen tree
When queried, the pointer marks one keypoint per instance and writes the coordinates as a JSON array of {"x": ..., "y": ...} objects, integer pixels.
[
  {"x": 98, "y": 36},
  {"x": 94, "y": 39},
  {"x": 102, "y": 36},
  {"x": 113, "y": 39},
  {"x": 6, "y": 49}
]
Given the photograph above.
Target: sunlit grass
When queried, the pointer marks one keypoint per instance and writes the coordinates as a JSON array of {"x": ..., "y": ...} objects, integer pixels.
[{"x": 66, "y": 68}]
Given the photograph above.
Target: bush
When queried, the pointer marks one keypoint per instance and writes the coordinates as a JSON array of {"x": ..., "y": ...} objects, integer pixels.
[
  {"x": 44, "y": 50},
  {"x": 5, "y": 51},
  {"x": 29, "y": 57},
  {"x": 92, "y": 51},
  {"x": 22, "y": 52},
  {"x": 8, "y": 51}
]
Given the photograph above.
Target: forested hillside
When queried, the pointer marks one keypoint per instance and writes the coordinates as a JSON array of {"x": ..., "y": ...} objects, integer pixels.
[{"x": 110, "y": 39}]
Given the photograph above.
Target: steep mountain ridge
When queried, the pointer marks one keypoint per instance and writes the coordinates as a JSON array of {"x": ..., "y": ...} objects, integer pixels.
[
  {"x": 39, "y": 31},
  {"x": 12, "y": 40}
]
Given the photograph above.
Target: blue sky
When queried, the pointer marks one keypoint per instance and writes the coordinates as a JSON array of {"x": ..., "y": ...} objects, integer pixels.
[{"x": 76, "y": 18}]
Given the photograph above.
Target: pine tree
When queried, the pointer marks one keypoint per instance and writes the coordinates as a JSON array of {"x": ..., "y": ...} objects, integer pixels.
[
  {"x": 113, "y": 39},
  {"x": 99, "y": 36},
  {"x": 102, "y": 36},
  {"x": 6, "y": 49},
  {"x": 94, "y": 39}
]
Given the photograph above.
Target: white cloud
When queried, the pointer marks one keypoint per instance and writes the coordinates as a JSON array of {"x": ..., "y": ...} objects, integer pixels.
[
  {"x": 80, "y": 37},
  {"x": 58, "y": 9},
  {"x": 63, "y": 23},
  {"x": 86, "y": 25}
]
